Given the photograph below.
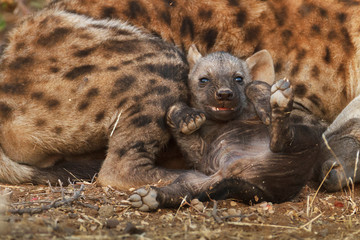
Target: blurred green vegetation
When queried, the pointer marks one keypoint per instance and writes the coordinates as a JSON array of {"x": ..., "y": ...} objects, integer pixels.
[{"x": 2, "y": 23}]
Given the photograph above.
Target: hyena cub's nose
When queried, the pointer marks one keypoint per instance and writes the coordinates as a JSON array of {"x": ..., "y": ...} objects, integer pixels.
[{"x": 224, "y": 94}]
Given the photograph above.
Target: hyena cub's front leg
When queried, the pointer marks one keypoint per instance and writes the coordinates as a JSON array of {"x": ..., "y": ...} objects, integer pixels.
[
  {"x": 281, "y": 101},
  {"x": 183, "y": 121}
]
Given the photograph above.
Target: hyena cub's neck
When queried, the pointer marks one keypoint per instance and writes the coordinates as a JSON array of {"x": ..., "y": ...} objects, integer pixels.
[{"x": 220, "y": 82}]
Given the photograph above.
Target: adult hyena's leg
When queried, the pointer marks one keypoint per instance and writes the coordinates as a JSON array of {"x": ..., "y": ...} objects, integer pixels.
[{"x": 131, "y": 156}]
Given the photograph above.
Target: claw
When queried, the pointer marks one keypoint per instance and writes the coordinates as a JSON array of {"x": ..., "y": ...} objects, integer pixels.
[{"x": 285, "y": 84}]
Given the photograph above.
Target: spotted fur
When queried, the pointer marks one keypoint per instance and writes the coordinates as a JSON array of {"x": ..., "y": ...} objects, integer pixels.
[
  {"x": 314, "y": 43},
  {"x": 72, "y": 85}
]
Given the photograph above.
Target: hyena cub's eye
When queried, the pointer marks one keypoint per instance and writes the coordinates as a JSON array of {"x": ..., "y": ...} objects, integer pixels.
[
  {"x": 204, "y": 80},
  {"x": 239, "y": 79}
]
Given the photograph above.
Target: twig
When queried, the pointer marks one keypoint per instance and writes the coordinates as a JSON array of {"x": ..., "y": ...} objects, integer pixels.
[
  {"x": 54, "y": 190},
  {"x": 337, "y": 160},
  {"x": 93, "y": 178},
  {"x": 91, "y": 218},
  {"x": 116, "y": 123},
  {"x": 241, "y": 216},
  {"x": 31, "y": 203},
  {"x": 355, "y": 170},
  {"x": 62, "y": 190},
  {"x": 310, "y": 222},
  {"x": 183, "y": 203},
  {"x": 55, "y": 204},
  {"x": 214, "y": 213},
  {"x": 322, "y": 182},
  {"x": 262, "y": 225},
  {"x": 88, "y": 205}
]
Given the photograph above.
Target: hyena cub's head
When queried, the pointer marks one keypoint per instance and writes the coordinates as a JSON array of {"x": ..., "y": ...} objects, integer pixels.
[{"x": 217, "y": 81}]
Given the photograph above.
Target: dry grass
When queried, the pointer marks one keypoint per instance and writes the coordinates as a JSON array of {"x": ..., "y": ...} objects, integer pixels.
[{"x": 102, "y": 212}]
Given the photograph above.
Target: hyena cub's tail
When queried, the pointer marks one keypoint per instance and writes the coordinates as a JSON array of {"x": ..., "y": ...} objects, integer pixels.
[{"x": 80, "y": 169}]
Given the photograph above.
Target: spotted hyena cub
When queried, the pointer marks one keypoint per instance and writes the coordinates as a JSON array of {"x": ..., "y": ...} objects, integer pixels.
[
  {"x": 236, "y": 156},
  {"x": 221, "y": 87},
  {"x": 72, "y": 85}
]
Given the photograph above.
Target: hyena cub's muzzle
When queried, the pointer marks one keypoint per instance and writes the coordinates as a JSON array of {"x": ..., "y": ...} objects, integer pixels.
[
  {"x": 224, "y": 94},
  {"x": 226, "y": 105}
]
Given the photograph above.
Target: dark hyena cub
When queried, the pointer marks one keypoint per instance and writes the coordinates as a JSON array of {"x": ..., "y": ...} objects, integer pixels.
[
  {"x": 72, "y": 85},
  {"x": 220, "y": 87},
  {"x": 234, "y": 159}
]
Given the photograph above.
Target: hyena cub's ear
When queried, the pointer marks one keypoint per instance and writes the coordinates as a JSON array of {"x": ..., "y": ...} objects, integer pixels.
[
  {"x": 261, "y": 67},
  {"x": 193, "y": 55}
]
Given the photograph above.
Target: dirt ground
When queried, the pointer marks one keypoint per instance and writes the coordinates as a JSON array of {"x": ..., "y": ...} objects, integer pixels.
[
  {"x": 45, "y": 212},
  {"x": 87, "y": 211}
]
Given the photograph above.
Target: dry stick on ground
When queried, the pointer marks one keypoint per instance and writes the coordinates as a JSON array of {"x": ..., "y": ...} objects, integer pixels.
[
  {"x": 88, "y": 205},
  {"x": 337, "y": 160},
  {"x": 55, "y": 204},
  {"x": 214, "y": 213},
  {"x": 241, "y": 216}
]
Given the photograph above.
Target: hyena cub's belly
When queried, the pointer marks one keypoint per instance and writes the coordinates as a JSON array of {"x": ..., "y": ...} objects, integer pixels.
[{"x": 68, "y": 81}]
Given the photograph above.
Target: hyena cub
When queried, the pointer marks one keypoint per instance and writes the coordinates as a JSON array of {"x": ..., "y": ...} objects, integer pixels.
[
  {"x": 234, "y": 160},
  {"x": 220, "y": 88},
  {"x": 72, "y": 85}
]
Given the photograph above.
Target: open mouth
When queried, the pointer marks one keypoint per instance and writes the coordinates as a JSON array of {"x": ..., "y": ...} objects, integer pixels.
[
  {"x": 222, "y": 113},
  {"x": 219, "y": 109}
]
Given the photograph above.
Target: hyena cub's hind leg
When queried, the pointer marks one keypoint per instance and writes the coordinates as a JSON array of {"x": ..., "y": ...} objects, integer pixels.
[
  {"x": 186, "y": 187},
  {"x": 281, "y": 101},
  {"x": 183, "y": 122},
  {"x": 291, "y": 130}
]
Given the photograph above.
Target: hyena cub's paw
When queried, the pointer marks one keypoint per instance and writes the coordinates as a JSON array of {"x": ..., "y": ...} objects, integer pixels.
[
  {"x": 258, "y": 93},
  {"x": 282, "y": 97},
  {"x": 185, "y": 120},
  {"x": 192, "y": 122},
  {"x": 144, "y": 199}
]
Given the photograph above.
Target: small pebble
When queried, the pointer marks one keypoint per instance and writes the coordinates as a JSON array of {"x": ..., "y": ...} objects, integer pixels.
[
  {"x": 132, "y": 229},
  {"x": 111, "y": 223},
  {"x": 232, "y": 212},
  {"x": 196, "y": 204},
  {"x": 233, "y": 204},
  {"x": 72, "y": 215},
  {"x": 106, "y": 211}
]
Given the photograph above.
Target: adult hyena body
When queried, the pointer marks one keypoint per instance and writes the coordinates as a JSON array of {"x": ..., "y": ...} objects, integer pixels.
[
  {"x": 314, "y": 43},
  {"x": 72, "y": 85}
]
